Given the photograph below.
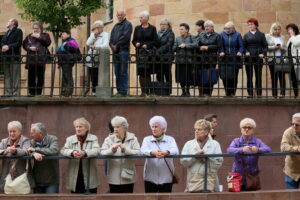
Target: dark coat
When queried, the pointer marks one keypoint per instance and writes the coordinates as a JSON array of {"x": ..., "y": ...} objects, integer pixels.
[
  {"x": 256, "y": 43},
  {"x": 37, "y": 57},
  {"x": 166, "y": 42},
  {"x": 145, "y": 57},
  {"x": 121, "y": 35},
  {"x": 14, "y": 41},
  {"x": 68, "y": 52}
]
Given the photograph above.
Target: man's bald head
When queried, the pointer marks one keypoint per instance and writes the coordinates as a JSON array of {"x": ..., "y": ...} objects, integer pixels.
[{"x": 121, "y": 14}]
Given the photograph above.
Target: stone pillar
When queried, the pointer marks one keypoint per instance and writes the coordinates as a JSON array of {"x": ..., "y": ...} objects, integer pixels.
[{"x": 104, "y": 89}]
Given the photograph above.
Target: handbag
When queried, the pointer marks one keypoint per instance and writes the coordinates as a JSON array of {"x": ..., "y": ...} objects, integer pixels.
[
  {"x": 18, "y": 185},
  {"x": 282, "y": 65},
  {"x": 127, "y": 174},
  {"x": 252, "y": 181},
  {"x": 234, "y": 182},
  {"x": 208, "y": 76}
]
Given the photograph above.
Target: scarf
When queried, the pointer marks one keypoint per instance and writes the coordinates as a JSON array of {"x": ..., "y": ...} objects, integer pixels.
[{"x": 81, "y": 139}]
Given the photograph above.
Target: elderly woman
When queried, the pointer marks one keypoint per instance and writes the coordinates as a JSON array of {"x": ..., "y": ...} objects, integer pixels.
[
  {"x": 14, "y": 145},
  {"x": 208, "y": 44},
  {"x": 293, "y": 48},
  {"x": 121, "y": 172},
  {"x": 158, "y": 171},
  {"x": 201, "y": 144},
  {"x": 36, "y": 44},
  {"x": 81, "y": 145},
  {"x": 97, "y": 40},
  {"x": 276, "y": 48},
  {"x": 256, "y": 47},
  {"x": 145, "y": 41},
  {"x": 165, "y": 57},
  {"x": 184, "y": 49},
  {"x": 231, "y": 50},
  {"x": 247, "y": 144}
]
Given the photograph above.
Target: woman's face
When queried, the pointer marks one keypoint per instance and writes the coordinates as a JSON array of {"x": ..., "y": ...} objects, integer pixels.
[
  {"x": 209, "y": 29},
  {"x": 65, "y": 35},
  {"x": 156, "y": 129},
  {"x": 200, "y": 133},
  {"x": 36, "y": 29},
  {"x": 14, "y": 133},
  {"x": 247, "y": 129},
  {"x": 80, "y": 129},
  {"x": 183, "y": 31},
  {"x": 276, "y": 31},
  {"x": 143, "y": 19},
  {"x": 291, "y": 31},
  {"x": 164, "y": 26},
  {"x": 119, "y": 130},
  {"x": 229, "y": 30},
  {"x": 252, "y": 26}
]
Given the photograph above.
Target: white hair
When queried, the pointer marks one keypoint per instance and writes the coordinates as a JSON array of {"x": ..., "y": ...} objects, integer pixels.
[
  {"x": 209, "y": 23},
  {"x": 145, "y": 13},
  {"x": 247, "y": 121},
  {"x": 40, "y": 128},
  {"x": 160, "y": 120},
  {"x": 16, "y": 124},
  {"x": 118, "y": 120},
  {"x": 100, "y": 22},
  {"x": 296, "y": 115}
]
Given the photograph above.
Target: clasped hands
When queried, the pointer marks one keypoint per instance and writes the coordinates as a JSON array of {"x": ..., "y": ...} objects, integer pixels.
[
  {"x": 248, "y": 149},
  {"x": 160, "y": 153},
  {"x": 116, "y": 146}
]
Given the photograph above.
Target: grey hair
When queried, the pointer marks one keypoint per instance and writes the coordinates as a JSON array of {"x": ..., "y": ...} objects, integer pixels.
[
  {"x": 145, "y": 13},
  {"x": 39, "y": 127},
  {"x": 247, "y": 121},
  {"x": 16, "y": 124},
  {"x": 296, "y": 115},
  {"x": 100, "y": 22},
  {"x": 160, "y": 120},
  {"x": 118, "y": 120},
  {"x": 209, "y": 23},
  {"x": 39, "y": 24}
]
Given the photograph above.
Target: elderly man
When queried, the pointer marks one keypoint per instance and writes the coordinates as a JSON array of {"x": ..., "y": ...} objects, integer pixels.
[
  {"x": 14, "y": 145},
  {"x": 291, "y": 143},
  {"x": 45, "y": 172},
  {"x": 119, "y": 44},
  {"x": 11, "y": 47}
]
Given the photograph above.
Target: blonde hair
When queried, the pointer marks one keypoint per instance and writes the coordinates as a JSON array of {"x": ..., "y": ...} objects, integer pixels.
[
  {"x": 84, "y": 122},
  {"x": 229, "y": 24},
  {"x": 167, "y": 22},
  {"x": 276, "y": 24},
  {"x": 206, "y": 125}
]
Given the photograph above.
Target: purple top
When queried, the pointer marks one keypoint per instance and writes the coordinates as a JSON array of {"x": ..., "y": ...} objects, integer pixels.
[{"x": 246, "y": 162}]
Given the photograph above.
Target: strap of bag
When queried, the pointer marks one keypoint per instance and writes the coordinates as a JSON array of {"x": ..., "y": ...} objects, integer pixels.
[
  {"x": 165, "y": 160},
  {"x": 15, "y": 163}
]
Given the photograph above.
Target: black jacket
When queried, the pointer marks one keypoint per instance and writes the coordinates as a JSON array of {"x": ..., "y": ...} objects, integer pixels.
[
  {"x": 121, "y": 35},
  {"x": 213, "y": 41},
  {"x": 166, "y": 42},
  {"x": 13, "y": 40},
  {"x": 255, "y": 43},
  {"x": 146, "y": 36}
]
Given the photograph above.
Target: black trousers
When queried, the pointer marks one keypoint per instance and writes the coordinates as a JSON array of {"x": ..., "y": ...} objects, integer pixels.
[
  {"x": 67, "y": 79},
  {"x": 153, "y": 188},
  {"x": 36, "y": 78},
  {"x": 294, "y": 81},
  {"x": 230, "y": 85},
  {"x": 275, "y": 76},
  {"x": 164, "y": 74},
  {"x": 125, "y": 188},
  {"x": 94, "y": 77},
  {"x": 257, "y": 64},
  {"x": 80, "y": 187}
]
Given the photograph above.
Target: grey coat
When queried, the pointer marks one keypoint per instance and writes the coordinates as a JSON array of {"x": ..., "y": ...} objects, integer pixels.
[
  {"x": 46, "y": 172},
  {"x": 22, "y": 146},
  {"x": 184, "y": 55}
]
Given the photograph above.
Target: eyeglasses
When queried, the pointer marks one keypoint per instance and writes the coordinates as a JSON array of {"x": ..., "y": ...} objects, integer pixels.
[
  {"x": 164, "y": 24},
  {"x": 247, "y": 127},
  {"x": 295, "y": 124}
]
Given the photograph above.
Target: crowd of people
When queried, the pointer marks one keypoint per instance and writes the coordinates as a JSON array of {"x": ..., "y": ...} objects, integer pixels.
[
  {"x": 196, "y": 57},
  {"x": 159, "y": 170}
]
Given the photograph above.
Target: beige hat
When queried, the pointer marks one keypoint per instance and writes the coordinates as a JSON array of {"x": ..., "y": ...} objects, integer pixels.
[{"x": 97, "y": 24}]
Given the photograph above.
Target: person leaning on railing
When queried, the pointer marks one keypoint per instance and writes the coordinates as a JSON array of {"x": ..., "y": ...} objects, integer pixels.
[
  {"x": 293, "y": 48},
  {"x": 201, "y": 144},
  {"x": 276, "y": 48},
  {"x": 247, "y": 144},
  {"x": 291, "y": 143},
  {"x": 121, "y": 172},
  {"x": 36, "y": 44},
  {"x": 159, "y": 171},
  {"x": 256, "y": 47},
  {"x": 14, "y": 145},
  {"x": 45, "y": 171},
  {"x": 82, "y": 145},
  {"x": 231, "y": 50}
]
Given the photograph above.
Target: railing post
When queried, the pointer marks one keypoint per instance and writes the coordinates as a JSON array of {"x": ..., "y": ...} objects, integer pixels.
[
  {"x": 88, "y": 177},
  {"x": 205, "y": 176},
  {"x": 104, "y": 89}
]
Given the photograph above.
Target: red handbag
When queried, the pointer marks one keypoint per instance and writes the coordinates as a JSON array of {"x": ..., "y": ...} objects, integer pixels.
[{"x": 234, "y": 182}]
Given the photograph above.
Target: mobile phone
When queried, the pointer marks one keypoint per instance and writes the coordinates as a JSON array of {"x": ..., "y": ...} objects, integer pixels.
[{"x": 278, "y": 45}]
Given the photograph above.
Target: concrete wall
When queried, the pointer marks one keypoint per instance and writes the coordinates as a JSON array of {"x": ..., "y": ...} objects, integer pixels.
[{"x": 272, "y": 119}]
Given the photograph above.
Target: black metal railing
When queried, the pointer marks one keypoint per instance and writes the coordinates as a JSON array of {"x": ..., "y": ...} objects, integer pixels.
[{"x": 205, "y": 156}]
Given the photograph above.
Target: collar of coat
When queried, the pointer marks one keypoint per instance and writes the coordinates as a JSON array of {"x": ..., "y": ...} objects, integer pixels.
[{"x": 88, "y": 138}]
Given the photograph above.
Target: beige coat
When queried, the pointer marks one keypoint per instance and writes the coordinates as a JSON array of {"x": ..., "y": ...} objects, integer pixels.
[
  {"x": 272, "y": 45},
  {"x": 115, "y": 166},
  {"x": 290, "y": 143},
  {"x": 295, "y": 40},
  {"x": 92, "y": 149},
  {"x": 196, "y": 168},
  {"x": 22, "y": 146}
]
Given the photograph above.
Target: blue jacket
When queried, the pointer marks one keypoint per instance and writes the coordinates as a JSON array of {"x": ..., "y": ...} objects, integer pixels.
[{"x": 231, "y": 44}]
